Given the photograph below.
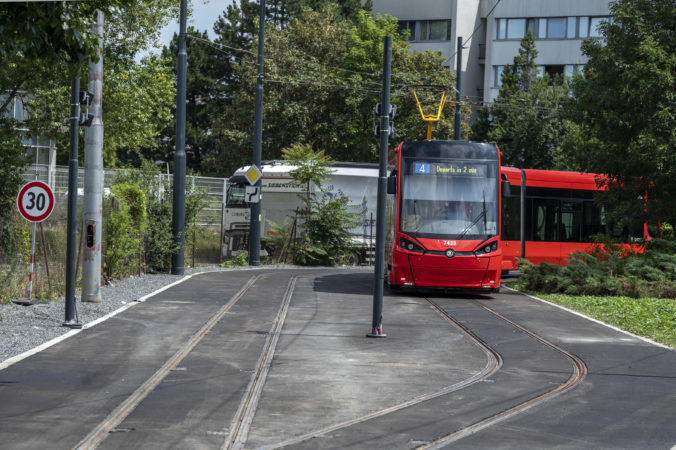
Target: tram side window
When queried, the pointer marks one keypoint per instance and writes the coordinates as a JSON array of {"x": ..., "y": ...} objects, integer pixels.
[
  {"x": 544, "y": 219},
  {"x": 570, "y": 229},
  {"x": 511, "y": 215},
  {"x": 594, "y": 222}
]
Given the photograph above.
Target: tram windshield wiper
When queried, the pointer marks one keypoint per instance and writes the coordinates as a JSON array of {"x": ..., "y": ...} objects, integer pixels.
[{"x": 476, "y": 220}]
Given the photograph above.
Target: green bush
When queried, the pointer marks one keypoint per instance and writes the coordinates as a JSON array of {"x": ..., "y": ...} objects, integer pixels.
[
  {"x": 610, "y": 270},
  {"x": 324, "y": 222},
  {"x": 158, "y": 241},
  {"x": 126, "y": 225}
]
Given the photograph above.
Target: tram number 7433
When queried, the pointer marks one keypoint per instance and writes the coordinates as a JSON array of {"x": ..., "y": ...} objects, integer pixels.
[{"x": 449, "y": 243}]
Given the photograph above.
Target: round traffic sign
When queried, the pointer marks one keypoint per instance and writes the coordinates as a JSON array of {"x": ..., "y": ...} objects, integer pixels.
[{"x": 35, "y": 201}]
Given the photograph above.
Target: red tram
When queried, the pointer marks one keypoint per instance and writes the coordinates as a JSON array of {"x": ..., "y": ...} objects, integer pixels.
[
  {"x": 458, "y": 219},
  {"x": 551, "y": 214},
  {"x": 445, "y": 226}
]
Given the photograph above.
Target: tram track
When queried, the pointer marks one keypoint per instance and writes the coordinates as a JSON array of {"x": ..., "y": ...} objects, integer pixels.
[
  {"x": 579, "y": 373},
  {"x": 240, "y": 424},
  {"x": 117, "y": 416},
  {"x": 494, "y": 363}
]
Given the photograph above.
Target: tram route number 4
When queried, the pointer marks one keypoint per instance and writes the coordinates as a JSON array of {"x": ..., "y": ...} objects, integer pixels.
[{"x": 35, "y": 201}]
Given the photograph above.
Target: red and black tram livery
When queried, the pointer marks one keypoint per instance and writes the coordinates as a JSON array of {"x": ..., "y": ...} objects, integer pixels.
[{"x": 445, "y": 227}]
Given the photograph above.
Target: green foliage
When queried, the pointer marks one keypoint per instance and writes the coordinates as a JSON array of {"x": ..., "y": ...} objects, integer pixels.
[
  {"x": 654, "y": 318},
  {"x": 137, "y": 95},
  {"x": 526, "y": 120},
  {"x": 54, "y": 32},
  {"x": 324, "y": 221},
  {"x": 158, "y": 244},
  {"x": 12, "y": 161},
  {"x": 126, "y": 226},
  {"x": 610, "y": 270},
  {"x": 626, "y": 108},
  {"x": 240, "y": 260},
  {"x": 312, "y": 167},
  {"x": 321, "y": 85}
]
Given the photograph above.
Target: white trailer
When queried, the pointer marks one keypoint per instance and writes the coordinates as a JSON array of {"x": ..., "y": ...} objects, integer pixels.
[{"x": 280, "y": 201}]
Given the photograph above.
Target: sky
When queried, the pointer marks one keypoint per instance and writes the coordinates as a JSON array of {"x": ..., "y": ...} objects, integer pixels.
[{"x": 205, "y": 13}]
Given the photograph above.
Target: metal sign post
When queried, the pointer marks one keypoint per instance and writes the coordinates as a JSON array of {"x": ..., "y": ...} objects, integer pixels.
[
  {"x": 379, "y": 279},
  {"x": 35, "y": 203}
]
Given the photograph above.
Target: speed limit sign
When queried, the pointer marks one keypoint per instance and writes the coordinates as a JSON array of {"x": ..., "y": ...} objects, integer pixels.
[{"x": 35, "y": 201}]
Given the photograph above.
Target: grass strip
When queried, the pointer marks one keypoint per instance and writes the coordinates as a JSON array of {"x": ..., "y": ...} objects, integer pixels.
[{"x": 654, "y": 318}]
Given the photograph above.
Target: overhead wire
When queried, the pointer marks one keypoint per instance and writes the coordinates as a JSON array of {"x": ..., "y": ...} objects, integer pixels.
[
  {"x": 334, "y": 72},
  {"x": 450, "y": 58}
]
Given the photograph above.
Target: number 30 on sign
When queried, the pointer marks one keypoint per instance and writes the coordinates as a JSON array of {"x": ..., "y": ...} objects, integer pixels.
[{"x": 35, "y": 201}]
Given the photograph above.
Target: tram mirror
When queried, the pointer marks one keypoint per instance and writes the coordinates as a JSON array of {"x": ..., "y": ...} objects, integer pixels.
[
  {"x": 392, "y": 184},
  {"x": 506, "y": 187}
]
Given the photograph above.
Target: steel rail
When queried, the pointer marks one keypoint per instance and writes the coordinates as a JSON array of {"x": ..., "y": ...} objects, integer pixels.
[
  {"x": 579, "y": 373},
  {"x": 494, "y": 362},
  {"x": 101, "y": 431},
  {"x": 240, "y": 425}
]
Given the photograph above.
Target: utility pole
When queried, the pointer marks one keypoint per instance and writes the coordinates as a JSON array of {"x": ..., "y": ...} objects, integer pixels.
[
  {"x": 93, "y": 187},
  {"x": 384, "y": 131},
  {"x": 255, "y": 227},
  {"x": 71, "y": 230},
  {"x": 458, "y": 76},
  {"x": 178, "y": 219}
]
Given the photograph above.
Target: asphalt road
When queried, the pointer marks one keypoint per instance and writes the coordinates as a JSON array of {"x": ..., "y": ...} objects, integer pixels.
[{"x": 279, "y": 358}]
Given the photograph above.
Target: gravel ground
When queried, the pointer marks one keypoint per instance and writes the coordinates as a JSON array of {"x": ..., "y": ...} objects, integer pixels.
[{"x": 23, "y": 328}]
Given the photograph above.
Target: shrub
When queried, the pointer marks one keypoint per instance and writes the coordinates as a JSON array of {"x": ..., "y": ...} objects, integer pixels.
[
  {"x": 608, "y": 271},
  {"x": 126, "y": 226}
]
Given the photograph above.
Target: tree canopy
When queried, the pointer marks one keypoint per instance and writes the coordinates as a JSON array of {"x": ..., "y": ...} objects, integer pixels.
[
  {"x": 626, "y": 108},
  {"x": 526, "y": 120},
  {"x": 322, "y": 82}
]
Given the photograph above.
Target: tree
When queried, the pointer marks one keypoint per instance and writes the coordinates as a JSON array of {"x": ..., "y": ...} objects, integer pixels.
[
  {"x": 205, "y": 97},
  {"x": 322, "y": 84},
  {"x": 137, "y": 95},
  {"x": 324, "y": 222},
  {"x": 626, "y": 108},
  {"x": 526, "y": 120}
]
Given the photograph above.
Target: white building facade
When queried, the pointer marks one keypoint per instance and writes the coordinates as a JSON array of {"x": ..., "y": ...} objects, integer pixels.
[{"x": 491, "y": 32}]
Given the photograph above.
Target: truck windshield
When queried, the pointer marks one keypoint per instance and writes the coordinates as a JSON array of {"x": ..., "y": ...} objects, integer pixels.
[
  {"x": 236, "y": 195},
  {"x": 449, "y": 199}
]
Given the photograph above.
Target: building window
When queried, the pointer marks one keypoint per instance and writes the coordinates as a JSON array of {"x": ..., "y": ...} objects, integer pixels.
[
  {"x": 571, "y": 28},
  {"x": 407, "y": 25},
  {"x": 556, "y": 28},
  {"x": 550, "y": 27},
  {"x": 497, "y": 76},
  {"x": 584, "y": 27},
  {"x": 594, "y": 23},
  {"x": 516, "y": 28},
  {"x": 427, "y": 30}
]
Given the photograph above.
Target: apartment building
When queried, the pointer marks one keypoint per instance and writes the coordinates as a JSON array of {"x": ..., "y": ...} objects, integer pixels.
[{"x": 491, "y": 32}]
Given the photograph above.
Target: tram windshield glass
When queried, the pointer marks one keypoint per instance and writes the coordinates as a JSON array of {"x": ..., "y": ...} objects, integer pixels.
[{"x": 456, "y": 199}]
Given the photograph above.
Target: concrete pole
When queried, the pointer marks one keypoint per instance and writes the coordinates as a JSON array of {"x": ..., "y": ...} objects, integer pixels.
[{"x": 93, "y": 182}]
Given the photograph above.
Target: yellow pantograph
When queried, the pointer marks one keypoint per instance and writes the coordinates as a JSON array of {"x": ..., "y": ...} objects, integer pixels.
[{"x": 430, "y": 118}]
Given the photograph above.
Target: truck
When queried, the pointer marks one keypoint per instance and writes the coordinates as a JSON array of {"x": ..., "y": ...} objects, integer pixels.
[{"x": 280, "y": 200}]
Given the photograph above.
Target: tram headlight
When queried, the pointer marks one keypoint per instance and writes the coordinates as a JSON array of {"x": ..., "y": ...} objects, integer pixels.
[
  {"x": 410, "y": 246},
  {"x": 488, "y": 248}
]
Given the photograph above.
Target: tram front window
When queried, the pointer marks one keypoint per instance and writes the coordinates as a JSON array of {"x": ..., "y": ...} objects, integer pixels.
[{"x": 442, "y": 199}]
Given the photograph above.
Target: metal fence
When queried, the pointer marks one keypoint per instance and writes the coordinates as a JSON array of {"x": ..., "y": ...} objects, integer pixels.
[{"x": 214, "y": 189}]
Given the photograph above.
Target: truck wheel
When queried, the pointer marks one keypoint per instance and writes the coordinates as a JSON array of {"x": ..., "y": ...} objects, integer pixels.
[{"x": 351, "y": 259}]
